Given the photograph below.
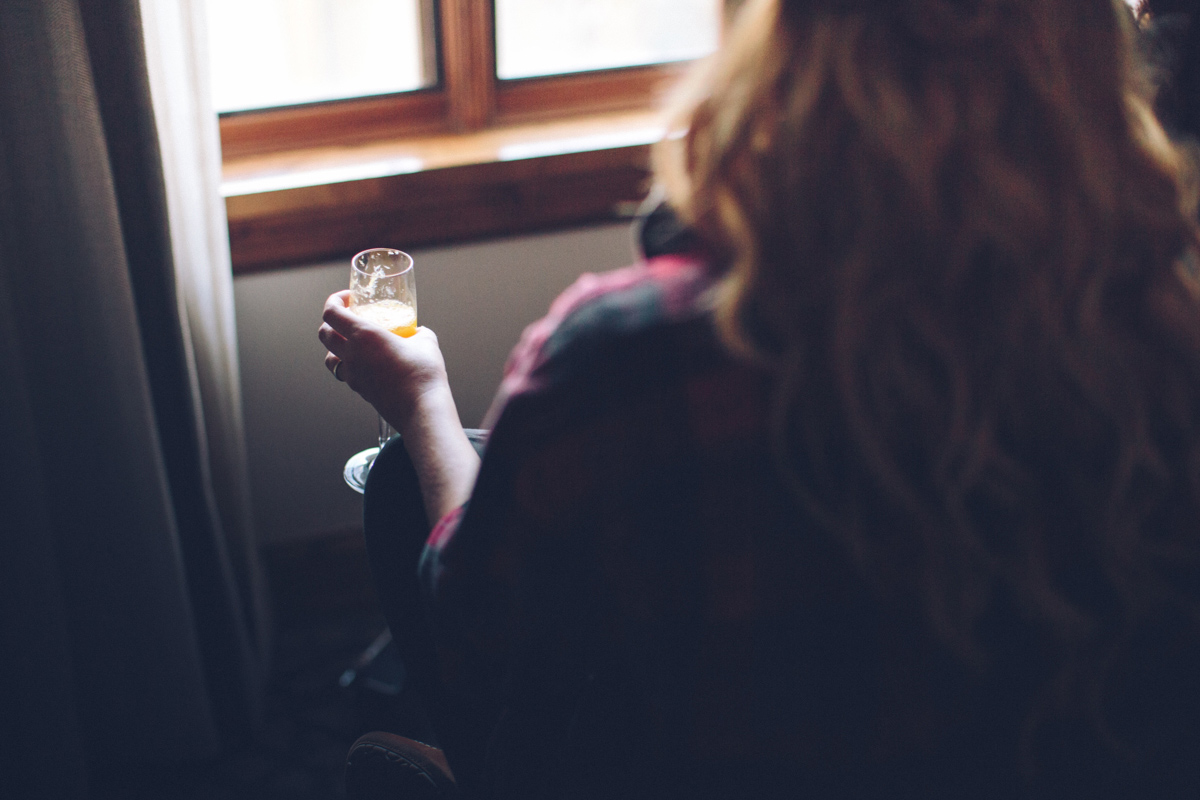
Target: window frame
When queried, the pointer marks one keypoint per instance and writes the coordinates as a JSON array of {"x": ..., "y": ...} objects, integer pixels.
[{"x": 298, "y": 226}]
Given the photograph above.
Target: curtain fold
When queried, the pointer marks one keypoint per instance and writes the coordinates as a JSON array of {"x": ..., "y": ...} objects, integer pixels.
[
  {"x": 176, "y": 45},
  {"x": 134, "y": 628}
]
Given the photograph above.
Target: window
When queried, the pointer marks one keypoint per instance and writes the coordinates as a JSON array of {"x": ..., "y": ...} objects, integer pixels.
[
  {"x": 549, "y": 37},
  {"x": 268, "y": 53},
  {"x": 417, "y": 122}
]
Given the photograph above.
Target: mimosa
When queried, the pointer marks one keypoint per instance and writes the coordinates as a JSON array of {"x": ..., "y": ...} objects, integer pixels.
[
  {"x": 399, "y": 318},
  {"x": 383, "y": 290}
]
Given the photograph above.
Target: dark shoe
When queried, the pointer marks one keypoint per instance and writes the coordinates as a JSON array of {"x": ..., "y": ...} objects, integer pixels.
[{"x": 384, "y": 766}]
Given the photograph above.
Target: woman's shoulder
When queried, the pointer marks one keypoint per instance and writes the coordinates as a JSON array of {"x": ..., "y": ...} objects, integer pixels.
[
  {"x": 660, "y": 290},
  {"x": 602, "y": 309}
]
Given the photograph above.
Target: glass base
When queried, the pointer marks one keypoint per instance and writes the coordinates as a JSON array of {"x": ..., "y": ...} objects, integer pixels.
[{"x": 357, "y": 468}]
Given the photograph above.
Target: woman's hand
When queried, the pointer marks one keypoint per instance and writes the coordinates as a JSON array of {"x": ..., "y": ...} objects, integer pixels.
[
  {"x": 390, "y": 372},
  {"x": 405, "y": 379}
]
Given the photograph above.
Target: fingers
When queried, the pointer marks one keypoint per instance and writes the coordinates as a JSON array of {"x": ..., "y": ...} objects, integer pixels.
[
  {"x": 334, "y": 342},
  {"x": 334, "y": 365},
  {"x": 338, "y": 315},
  {"x": 337, "y": 321}
]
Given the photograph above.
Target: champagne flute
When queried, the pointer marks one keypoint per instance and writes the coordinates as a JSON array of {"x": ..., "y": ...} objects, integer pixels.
[{"x": 383, "y": 289}]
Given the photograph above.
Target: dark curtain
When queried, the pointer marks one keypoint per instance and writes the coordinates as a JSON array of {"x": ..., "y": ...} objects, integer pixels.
[{"x": 131, "y": 615}]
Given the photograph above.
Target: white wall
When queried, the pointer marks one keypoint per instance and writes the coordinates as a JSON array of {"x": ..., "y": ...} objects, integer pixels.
[{"x": 301, "y": 425}]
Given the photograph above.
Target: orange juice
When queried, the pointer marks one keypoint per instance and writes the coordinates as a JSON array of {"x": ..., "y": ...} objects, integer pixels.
[{"x": 399, "y": 318}]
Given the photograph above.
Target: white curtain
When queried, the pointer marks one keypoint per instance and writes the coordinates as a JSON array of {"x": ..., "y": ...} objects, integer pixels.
[
  {"x": 189, "y": 140},
  {"x": 132, "y": 625}
]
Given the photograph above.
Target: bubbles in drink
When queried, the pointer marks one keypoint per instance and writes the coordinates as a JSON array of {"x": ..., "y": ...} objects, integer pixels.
[{"x": 399, "y": 318}]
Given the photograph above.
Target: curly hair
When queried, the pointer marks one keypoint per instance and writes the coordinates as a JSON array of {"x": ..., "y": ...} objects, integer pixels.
[{"x": 959, "y": 238}]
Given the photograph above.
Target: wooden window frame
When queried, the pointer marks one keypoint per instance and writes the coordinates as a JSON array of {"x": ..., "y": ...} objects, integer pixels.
[{"x": 480, "y": 195}]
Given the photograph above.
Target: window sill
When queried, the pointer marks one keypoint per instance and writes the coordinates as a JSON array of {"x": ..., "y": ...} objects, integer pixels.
[{"x": 300, "y": 207}]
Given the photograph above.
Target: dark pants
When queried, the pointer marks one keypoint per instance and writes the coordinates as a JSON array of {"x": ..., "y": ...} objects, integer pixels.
[{"x": 395, "y": 526}]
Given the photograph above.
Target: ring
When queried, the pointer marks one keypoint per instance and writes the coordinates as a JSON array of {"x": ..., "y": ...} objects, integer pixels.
[{"x": 336, "y": 367}]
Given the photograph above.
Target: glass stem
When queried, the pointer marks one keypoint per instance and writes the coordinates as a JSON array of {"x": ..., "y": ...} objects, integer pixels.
[{"x": 385, "y": 432}]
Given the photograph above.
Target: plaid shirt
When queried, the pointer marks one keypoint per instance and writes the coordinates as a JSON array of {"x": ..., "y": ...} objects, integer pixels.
[
  {"x": 629, "y": 575},
  {"x": 633, "y": 588}
]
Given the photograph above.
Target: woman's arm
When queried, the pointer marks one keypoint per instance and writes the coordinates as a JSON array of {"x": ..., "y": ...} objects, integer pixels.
[
  {"x": 446, "y": 462},
  {"x": 405, "y": 380}
]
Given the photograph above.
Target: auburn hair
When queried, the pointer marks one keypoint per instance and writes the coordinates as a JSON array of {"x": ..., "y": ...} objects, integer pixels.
[{"x": 959, "y": 238}]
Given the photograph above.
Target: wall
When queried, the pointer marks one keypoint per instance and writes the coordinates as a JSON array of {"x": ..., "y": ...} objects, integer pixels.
[{"x": 301, "y": 425}]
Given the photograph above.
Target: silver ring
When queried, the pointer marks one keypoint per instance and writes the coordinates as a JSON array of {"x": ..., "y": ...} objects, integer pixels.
[{"x": 336, "y": 367}]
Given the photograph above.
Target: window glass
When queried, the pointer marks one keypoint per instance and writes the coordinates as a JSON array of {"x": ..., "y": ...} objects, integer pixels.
[
  {"x": 550, "y": 37},
  {"x": 268, "y": 53}
]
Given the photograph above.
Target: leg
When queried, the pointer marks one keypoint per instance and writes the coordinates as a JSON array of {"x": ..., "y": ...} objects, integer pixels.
[{"x": 395, "y": 528}]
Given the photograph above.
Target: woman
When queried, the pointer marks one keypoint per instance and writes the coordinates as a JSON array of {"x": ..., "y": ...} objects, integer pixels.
[{"x": 888, "y": 484}]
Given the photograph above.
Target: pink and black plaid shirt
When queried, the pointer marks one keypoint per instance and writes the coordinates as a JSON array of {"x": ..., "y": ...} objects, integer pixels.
[{"x": 633, "y": 585}]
